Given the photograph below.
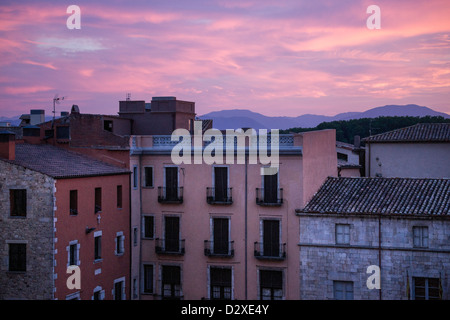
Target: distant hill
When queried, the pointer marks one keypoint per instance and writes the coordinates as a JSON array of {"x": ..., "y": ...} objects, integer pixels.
[{"x": 239, "y": 118}]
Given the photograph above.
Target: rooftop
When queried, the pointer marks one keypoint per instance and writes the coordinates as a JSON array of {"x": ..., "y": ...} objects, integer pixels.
[
  {"x": 421, "y": 132},
  {"x": 390, "y": 196},
  {"x": 60, "y": 163}
]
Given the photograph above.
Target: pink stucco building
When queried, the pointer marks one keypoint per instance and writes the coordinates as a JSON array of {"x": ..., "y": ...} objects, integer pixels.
[{"x": 202, "y": 231}]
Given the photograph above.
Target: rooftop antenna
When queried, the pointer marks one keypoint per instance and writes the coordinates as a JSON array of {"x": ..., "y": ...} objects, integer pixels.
[
  {"x": 56, "y": 100},
  {"x": 128, "y": 96}
]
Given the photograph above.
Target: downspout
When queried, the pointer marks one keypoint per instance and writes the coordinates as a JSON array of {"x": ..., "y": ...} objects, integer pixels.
[
  {"x": 140, "y": 223},
  {"x": 379, "y": 250},
  {"x": 245, "y": 227}
]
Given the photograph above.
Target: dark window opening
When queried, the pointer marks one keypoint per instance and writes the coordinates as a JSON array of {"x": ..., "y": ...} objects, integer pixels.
[
  {"x": 17, "y": 257},
  {"x": 119, "y": 197},
  {"x": 108, "y": 125},
  {"x": 73, "y": 202},
  {"x": 171, "y": 282},
  {"x": 18, "y": 202},
  {"x": 271, "y": 284},
  {"x": 220, "y": 283},
  {"x": 98, "y": 200},
  {"x": 63, "y": 132}
]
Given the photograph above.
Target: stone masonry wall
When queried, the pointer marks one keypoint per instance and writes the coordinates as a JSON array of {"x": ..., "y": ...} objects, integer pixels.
[
  {"x": 322, "y": 261},
  {"x": 36, "y": 230}
]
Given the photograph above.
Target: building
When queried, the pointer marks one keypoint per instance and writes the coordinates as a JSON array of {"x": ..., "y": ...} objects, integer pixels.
[
  {"x": 350, "y": 157},
  {"x": 58, "y": 209},
  {"x": 221, "y": 231},
  {"x": 418, "y": 151},
  {"x": 353, "y": 226}
]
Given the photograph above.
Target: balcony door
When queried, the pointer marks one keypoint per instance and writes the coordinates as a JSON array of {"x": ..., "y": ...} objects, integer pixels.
[
  {"x": 271, "y": 188},
  {"x": 172, "y": 234},
  {"x": 171, "y": 176},
  {"x": 221, "y": 184},
  {"x": 220, "y": 235},
  {"x": 271, "y": 238}
]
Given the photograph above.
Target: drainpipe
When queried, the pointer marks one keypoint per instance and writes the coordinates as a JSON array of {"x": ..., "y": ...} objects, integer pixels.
[
  {"x": 245, "y": 225},
  {"x": 140, "y": 224},
  {"x": 379, "y": 249}
]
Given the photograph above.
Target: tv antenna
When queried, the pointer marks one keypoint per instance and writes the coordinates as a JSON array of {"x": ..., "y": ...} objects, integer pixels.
[
  {"x": 128, "y": 96},
  {"x": 56, "y": 100}
]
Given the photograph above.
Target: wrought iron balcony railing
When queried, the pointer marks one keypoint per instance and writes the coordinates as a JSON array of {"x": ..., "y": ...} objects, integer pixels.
[
  {"x": 219, "y": 248},
  {"x": 170, "y": 195},
  {"x": 169, "y": 246},
  {"x": 219, "y": 196},
  {"x": 272, "y": 197},
  {"x": 270, "y": 251}
]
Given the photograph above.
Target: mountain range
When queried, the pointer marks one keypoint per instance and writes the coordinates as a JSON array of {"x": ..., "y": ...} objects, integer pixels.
[{"x": 241, "y": 118}]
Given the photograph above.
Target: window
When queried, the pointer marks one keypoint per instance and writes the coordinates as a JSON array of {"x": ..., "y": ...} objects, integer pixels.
[
  {"x": 221, "y": 184},
  {"x": 98, "y": 245},
  {"x": 17, "y": 257},
  {"x": 73, "y": 253},
  {"x": 343, "y": 290},
  {"x": 172, "y": 234},
  {"x": 271, "y": 238},
  {"x": 220, "y": 236},
  {"x": 18, "y": 202},
  {"x": 108, "y": 125},
  {"x": 119, "y": 289},
  {"x": 119, "y": 197},
  {"x": 148, "y": 278},
  {"x": 270, "y": 285},
  {"x": 120, "y": 243},
  {"x": 99, "y": 294},
  {"x": 148, "y": 227},
  {"x": 135, "y": 236},
  {"x": 73, "y": 202},
  {"x": 98, "y": 200},
  {"x": 148, "y": 177},
  {"x": 420, "y": 237},
  {"x": 63, "y": 132},
  {"x": 171, "y": 183},
  {"x": 171, "y": 282},
  {"x": 427, "y": 288},
  {"x": 342, "y": 234},
  {"x": 220, "y": 283},
  {"x": 135, "y": 177}
]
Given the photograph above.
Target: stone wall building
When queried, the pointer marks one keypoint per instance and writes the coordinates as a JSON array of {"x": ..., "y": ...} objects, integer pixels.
[
  {"x": 418, "y": 151},
  {"x": 60, "y": 209},
  {"x": 400, "y": 225}
]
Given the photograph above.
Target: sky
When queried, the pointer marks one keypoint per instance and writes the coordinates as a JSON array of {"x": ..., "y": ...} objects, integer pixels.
[{"x": 278, "y": 58}]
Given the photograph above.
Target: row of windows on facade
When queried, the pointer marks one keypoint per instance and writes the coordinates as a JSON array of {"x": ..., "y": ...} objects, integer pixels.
[
  {"x": 270, "y": 246},
  {"x": 220, "y": 283},
  {"x": 118, "y": 292},
  {"x": 219, "y": 192},
  {"x": 220, "y": 243},
  {"x": 18, "y": 252},
  {"x": 270, "y": 284},
  {"x": 18, "y": 201}
]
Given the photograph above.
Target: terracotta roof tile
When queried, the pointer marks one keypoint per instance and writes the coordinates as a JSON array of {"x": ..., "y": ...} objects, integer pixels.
[
  {"x": 405, "y": 196},
  {"x": 421, "y": 132},
  {"x": 61, "y": 163}
]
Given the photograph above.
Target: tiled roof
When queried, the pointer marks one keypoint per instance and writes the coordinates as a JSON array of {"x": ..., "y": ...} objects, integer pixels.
[
  {"x": 421, "y": 132},
  {"x": 404, "y": 196},
  {"x": 60, "y": 163}
]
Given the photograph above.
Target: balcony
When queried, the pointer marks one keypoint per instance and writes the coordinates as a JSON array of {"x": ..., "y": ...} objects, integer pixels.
[
  {"x": 219, "y": 249},
  {"x": 169, "y": 246},
  {"x": 170, "y": 195},
  {"x": 273, "y": 197},
  {"x": 219, "y": 196},
  {"x": 269, "y": 251}
]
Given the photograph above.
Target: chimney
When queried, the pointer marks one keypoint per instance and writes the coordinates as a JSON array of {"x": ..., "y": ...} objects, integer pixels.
[
  {"x": 7, "y": 145},
  {"x": 37, "y": 116}
]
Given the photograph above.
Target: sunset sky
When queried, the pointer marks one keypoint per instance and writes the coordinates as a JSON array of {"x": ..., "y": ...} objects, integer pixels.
[{"x": 283, "y": 57}]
